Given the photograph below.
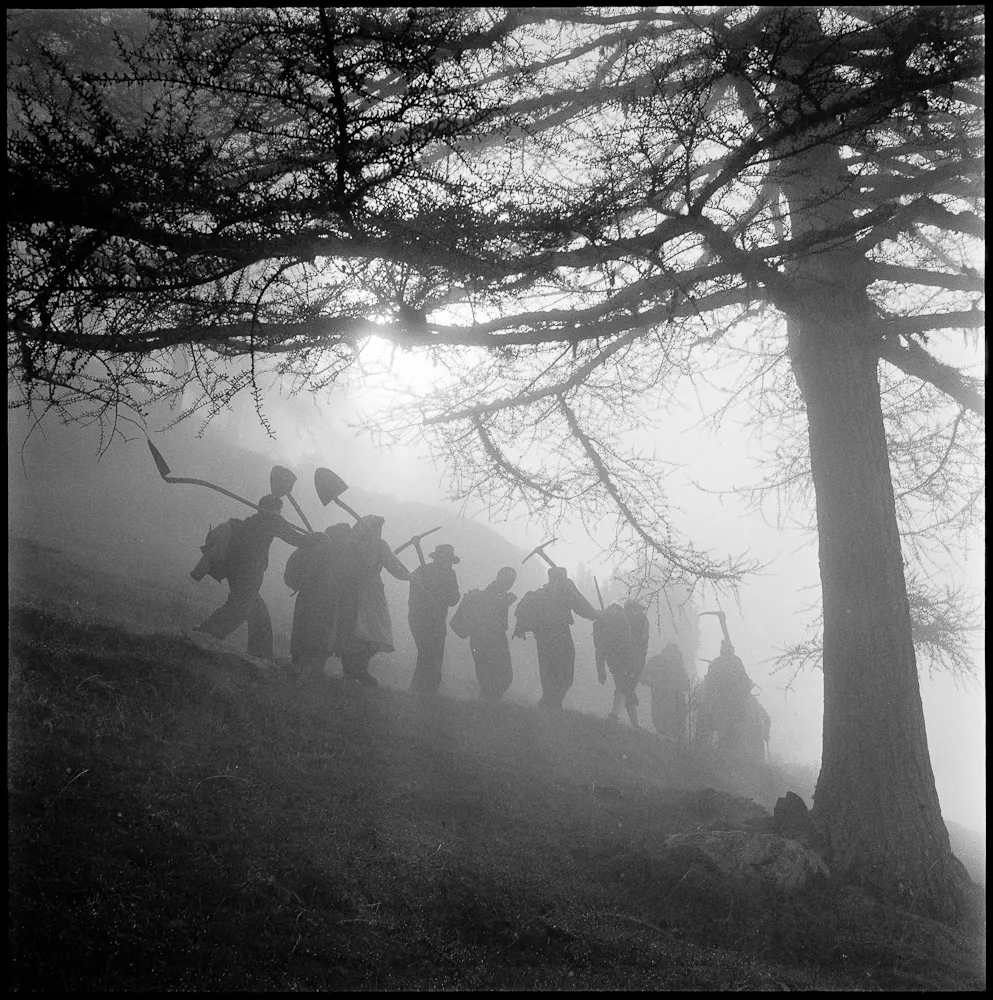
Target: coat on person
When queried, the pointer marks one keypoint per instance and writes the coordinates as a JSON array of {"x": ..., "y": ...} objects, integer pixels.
[
  {"x": 665, "y": 676},
  {"x": 434, "y": 589},
  {"x": 620, "y": 641},
  {"x": 548, "y": 613},
  {"x": 364, "y": 627},
  {"x": 725, "y": 691},
  {"x": 314, "y": 573},
  {"x": 245, "y": 563},
  {"x": 483, "y": 618}
]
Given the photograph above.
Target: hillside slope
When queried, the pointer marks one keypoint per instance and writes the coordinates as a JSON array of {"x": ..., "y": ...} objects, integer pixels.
[{"x": 180, "y": 820}]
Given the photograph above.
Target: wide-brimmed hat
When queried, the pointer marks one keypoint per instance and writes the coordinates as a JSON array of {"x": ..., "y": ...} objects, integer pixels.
[{"x": 445, "y": 553}]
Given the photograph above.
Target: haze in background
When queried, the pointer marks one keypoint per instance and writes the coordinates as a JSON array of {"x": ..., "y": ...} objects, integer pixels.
[{"x": 773, "y": 611}]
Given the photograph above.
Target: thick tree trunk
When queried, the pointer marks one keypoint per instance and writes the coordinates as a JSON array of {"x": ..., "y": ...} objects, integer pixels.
[{"x": 875, "y": 798}]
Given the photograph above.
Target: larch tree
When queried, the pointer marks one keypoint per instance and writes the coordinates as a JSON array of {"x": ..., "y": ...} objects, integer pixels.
[{"x": 572, "y": 210}]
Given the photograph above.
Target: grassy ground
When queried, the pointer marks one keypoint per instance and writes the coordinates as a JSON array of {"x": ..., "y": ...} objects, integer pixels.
[{"x": 180, "y": 821}]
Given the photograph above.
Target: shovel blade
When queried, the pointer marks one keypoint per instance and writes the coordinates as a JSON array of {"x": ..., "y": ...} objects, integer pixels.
[
  {"x": 281, "y": 481},
  {"x": 329, "y": 485}
]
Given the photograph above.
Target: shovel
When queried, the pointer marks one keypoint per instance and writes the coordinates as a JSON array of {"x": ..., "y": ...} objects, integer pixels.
[
  {"x": 281, "y": 483},
  {"x": 329, "y": 488}
]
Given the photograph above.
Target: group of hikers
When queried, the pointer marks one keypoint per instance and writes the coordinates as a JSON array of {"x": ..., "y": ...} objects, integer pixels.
[{"x": 341, "y": 611}]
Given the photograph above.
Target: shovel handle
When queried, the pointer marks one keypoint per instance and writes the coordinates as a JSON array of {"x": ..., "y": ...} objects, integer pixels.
[
  {"x": 344, "y": 506},
  {"x": 296, "y": 507}
]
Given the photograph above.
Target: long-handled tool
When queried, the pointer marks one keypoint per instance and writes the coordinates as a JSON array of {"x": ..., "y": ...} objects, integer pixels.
[
  {"x": 540, "y": 551},
  {"x": 722, "y": 618},
  {"x": 330, "y": 486},
  {"x": 281, "y": 483},
  {"x": 599, "y": 596},
  {"x": 416, "y": 542},
  {"x": 165, "y": 473}
]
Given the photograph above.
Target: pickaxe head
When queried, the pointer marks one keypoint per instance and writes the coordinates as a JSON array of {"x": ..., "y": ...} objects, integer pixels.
[
  {"x": 416, "y": 542},
  {"x": 540, "y": 550},
  {"x": 722, "y": 618}
]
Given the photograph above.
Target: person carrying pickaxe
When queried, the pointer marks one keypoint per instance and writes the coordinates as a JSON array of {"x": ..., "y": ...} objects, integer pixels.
[
  {"x": 245, "y": 563},
  {"x": 434, "y": 588},
  {"x": 725, "y": 694},
  {"x": 238, "y": 551},
  {"x": 548, "y": 613}
]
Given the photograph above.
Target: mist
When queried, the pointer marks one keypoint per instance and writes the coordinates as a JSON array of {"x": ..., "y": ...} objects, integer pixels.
[{"x": 113, "y": 508}]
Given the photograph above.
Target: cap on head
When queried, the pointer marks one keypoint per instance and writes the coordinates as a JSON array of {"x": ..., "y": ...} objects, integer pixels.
[
  {"x": 557, "y": 573},
  {"x": 445, "y": 553},
  {"x": 506, "y": 576},
  {"x": 270, "y": 503},
  {"x": 726, "y": 648}
]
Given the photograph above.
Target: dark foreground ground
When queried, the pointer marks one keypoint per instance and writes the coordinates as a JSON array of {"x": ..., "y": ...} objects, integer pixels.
[{"x": 179, "y": 821}]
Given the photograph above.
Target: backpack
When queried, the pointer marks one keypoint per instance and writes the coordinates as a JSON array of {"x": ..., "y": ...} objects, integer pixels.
[
  {"x": 467, "y": 615},
  {"x": 217, "y": 549},
  {"x": 537, "y": 609},
  {"x": 297, "y": 569}
]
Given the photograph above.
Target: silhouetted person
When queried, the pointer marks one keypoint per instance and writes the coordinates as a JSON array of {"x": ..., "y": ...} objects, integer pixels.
[
  {"x": 665, "y": 676},
  {"x": 434, "y": 589},
  {"x": 547, "y": 612},
  {"x": 246, "y": 560},
  {"x": 314, "y": 571},
  {"x": 364, "y": 627},
  {"x": 620, "y": 639},
  {"x": 726, "y": 689},
  {"x": 486, "y": 614}
]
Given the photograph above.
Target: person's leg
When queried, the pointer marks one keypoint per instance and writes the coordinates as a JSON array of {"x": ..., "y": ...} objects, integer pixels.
[
  {"x": 422, "y": 680},
  {"x": 259, "y": 629},
  {"x": 241, "y": 594}
]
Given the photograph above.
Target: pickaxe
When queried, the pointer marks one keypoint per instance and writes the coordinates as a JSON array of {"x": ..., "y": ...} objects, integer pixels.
[
  {"x": 722, "y": 618},
  {"x": 329, "y": 488},
  {"x": 599, "y": 596},
  {"x": 279, "y": 484},
  {"x": 540, "y": 550},
  {"x": 416, "y": 542}
]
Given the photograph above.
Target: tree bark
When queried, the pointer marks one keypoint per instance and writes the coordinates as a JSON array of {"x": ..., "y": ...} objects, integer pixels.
[{"x": 875, "y": 798}]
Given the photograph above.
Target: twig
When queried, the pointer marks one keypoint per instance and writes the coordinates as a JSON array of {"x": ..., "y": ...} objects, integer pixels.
[{"x": 64, "y": 787}]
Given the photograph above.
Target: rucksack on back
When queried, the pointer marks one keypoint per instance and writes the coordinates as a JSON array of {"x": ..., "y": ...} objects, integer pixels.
[
  {"x": 217, "y": 549},
  {"x": 467, "y": 615},
  {"x": 297, "y": 569}
]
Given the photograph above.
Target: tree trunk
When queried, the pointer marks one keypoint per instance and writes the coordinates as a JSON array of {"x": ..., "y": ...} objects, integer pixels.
[{"x": 875, "y": 798}]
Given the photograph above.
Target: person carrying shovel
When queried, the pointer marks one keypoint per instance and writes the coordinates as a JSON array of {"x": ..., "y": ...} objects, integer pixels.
[
  {"x": 314, "y": 573},
  {"x": 434, "y": 588},
  {"x": 363, "y": 626}
]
